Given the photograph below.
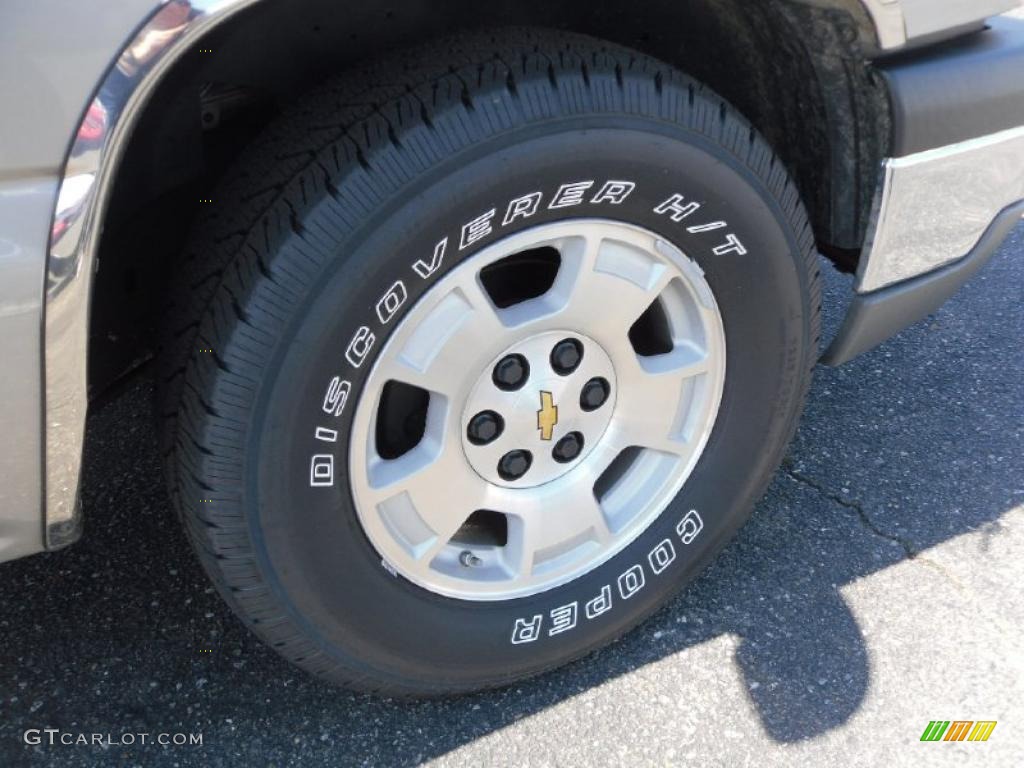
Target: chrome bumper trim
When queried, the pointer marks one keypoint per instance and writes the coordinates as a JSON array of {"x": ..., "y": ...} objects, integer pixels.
[
  {"x": 890, "y": 26},
  {"x": 931, "y": 208},
  {"x": 84, "y": 192},
  {"x": 899, "y": 22}
]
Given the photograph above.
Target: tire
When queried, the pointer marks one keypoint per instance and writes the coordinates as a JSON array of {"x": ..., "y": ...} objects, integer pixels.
[{"x": 289, "y": 289}]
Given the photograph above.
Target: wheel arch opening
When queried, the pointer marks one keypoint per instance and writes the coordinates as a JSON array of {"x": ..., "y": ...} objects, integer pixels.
[{"x": 793, "y": 70}]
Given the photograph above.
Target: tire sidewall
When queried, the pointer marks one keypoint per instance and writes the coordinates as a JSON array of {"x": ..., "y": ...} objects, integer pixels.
[{"x": 308, "y": 541}]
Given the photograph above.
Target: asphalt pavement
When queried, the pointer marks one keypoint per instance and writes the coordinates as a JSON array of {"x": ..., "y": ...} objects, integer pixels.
[{"x": 877, "y": 587}]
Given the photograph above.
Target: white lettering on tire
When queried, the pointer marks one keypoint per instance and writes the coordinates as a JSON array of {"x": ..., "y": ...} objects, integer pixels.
[
  {"x": 336, "y": 396},
  {"x": 600, "y": 604},
  {"x": 630, "y": 582},
  {"x": 563, "y": 618},
  {"x": 526, "y": 631},
  {"x": 321, "y": 470},
  {"x": 614, "y": 192},
  {"x": 477, "y": 229},
  {"x": 521, "y": 208},
  {"x": 424, "y": 269},
  {"x": 391, "y": 302},
  {"x": 326, "y": 435},
  {"x": 661, "y": 556},
  {"x": 732, "y": 244},
  {"x": 689, "y": 526},
  {"x": 675, "y": 209},
  {"x": 709, "y": 227},
  {"x": 570, "y": 194},
  {"x": 360, "y": 346}
]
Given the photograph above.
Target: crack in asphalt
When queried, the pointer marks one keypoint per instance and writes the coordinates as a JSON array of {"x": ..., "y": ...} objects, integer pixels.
[
  {"x": 912, "y": 554},
  {"x": 865, "y": 519}
]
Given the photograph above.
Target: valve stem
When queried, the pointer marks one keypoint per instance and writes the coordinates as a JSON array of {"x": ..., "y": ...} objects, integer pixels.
[{"x": 469, "y": 560}]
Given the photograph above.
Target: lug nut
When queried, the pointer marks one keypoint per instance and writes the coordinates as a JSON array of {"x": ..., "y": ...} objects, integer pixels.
[
  {"x": 511, "y": 372},
  {"x": 568, "y": 448},
  {"x": 566, "y": 356},
  {"x": 484, "y": 427},
  {"x": 514, "y": 464},
  {"x": 594, "y": 394}
]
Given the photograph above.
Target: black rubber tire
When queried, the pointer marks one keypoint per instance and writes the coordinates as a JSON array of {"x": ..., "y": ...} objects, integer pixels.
[{"x": 330, "y": 207}]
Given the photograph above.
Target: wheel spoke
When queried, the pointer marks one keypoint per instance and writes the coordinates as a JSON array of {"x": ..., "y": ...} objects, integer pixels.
[
  {"x": 609, "y": 284},
  {"x": 544, "y": 532},
  {"x": 456, "y": 335},
  {"x": 649, "y": 399},
  {"x": 426, "y": 494}
]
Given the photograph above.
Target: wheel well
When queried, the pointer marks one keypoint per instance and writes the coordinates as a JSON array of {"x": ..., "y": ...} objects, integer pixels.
[{"x": 795, "y": 70}]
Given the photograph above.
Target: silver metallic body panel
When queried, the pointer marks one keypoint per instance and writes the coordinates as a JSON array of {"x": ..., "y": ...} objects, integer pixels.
[
  {"x": 52, "y": 55},
  {"x": 890, "y": 26},
  {"x": 25, "y": 207},
  {"x": 899, "y": 22},
  {"x": 932, "y": 207},
  {"x": 928, "y": 17},
  {"x": 81, "y": 204}
]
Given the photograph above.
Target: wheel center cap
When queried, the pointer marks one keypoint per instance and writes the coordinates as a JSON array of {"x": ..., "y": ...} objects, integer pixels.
[{"x": 538, "y": 409}]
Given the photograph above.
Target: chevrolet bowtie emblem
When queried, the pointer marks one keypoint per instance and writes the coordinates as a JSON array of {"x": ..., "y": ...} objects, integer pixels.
[{"x": 547, "y": 416}]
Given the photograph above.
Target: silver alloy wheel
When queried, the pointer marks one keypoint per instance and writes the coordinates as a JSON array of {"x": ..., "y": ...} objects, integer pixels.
[{"x": 561, "y": 517}]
